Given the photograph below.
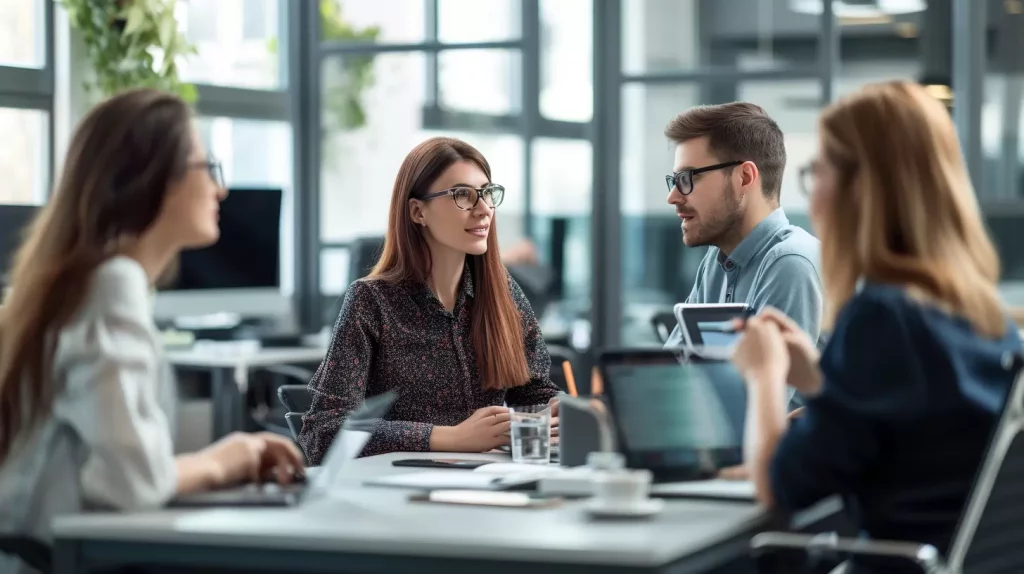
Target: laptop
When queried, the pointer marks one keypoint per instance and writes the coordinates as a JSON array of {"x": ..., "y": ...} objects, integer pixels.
[
  {"x": 353, "y": 435},
  {"x": 681, "y": 419}
]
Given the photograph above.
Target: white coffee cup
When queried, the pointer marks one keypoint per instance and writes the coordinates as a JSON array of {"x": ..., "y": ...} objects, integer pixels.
[{"x": 625, "y": 489}]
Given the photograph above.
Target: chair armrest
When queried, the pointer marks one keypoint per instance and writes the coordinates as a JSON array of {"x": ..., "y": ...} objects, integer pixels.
[
  {"x": 288, "y": 371},
  {"x": 924, "y": 555}
]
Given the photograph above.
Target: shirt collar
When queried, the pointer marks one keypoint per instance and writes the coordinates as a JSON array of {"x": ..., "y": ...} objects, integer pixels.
[
  {"x": 754, "y": 241},
  {"x": 427, "y": 298}
]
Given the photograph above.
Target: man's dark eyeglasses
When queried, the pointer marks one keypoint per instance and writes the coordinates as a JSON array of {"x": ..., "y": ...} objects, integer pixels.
[
  {"x": 214, "y": 168},
  {"x": 683, "y": 180},
  {"x": 466, "y": 197}
]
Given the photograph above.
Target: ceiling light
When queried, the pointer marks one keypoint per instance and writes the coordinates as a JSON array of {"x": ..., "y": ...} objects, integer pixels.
[{"x": 859, "y": 8}]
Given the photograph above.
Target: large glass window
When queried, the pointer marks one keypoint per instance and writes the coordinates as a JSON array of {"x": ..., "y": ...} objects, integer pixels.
[
  {"x": 482, "y": 81},
  {"x": 667, "y": 35},
  {"x": 566, "y": 63},
  {"x": 361, "y": 159},
  {"x": 237, "y": 40},
  {"x": 21, "y": 33},
  {"x": 460, "y": 21},
  {"x": 23, "y": 156}
]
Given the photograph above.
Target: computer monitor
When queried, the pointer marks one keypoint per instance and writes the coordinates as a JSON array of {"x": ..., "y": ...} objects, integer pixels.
[
  {"x": 241, "y": 273},
  {"x": 13, "y": 221}
]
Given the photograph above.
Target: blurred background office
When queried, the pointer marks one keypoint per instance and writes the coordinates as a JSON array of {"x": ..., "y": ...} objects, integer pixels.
[{"x": 311, "y": 106}]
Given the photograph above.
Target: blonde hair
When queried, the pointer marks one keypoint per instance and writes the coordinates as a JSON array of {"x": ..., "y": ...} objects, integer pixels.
[{"x": 904, "y": 211}]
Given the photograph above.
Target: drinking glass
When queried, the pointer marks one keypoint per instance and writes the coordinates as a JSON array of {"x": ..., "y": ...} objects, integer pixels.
[{"x": 531, "y": 434}]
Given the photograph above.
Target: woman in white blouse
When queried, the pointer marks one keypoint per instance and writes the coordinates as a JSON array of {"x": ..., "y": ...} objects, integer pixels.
[{"x": 84, "y": 389}]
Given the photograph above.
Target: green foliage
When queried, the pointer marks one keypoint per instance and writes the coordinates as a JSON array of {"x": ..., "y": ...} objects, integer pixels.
[
  {"x": 342, "y": 102},
  {"x": 131, "y": 44}
]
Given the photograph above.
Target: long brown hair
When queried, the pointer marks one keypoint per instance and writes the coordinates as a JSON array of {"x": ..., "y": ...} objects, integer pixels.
[
  {"x": 904, "y": 211},
  {"x": 120, "y": 161},
  {"x": 497, "y": 331}
]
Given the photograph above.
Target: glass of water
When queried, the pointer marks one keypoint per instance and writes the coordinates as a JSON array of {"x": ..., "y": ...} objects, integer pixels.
[{"x": 531, "y": 434}]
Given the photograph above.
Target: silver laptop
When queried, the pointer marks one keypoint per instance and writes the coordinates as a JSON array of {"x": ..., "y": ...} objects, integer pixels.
[{"x": 353, "y": 435}]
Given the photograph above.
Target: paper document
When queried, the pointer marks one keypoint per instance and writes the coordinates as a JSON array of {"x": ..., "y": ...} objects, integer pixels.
[
  {"x": 455, "y": 479},
  {"x": 716, "y": 488}
]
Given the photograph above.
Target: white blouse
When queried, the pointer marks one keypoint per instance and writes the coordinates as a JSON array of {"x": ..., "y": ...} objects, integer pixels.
[{"x": 108, "y": 443}]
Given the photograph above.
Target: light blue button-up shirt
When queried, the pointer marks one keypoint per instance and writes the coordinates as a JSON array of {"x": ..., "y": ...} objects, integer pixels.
[{"x": 777, "y": 264}]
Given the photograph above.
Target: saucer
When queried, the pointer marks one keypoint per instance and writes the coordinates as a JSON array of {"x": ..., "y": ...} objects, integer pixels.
[{"x": 640, "y": 509}]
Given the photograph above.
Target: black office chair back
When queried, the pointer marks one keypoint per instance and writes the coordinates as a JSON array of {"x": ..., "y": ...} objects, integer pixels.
[
  {"x": 989, "y": 537},
  {"x": 296, "y": 400},
  {"x": 663, "y": 323},
  {"x": 33, "y": 553}
]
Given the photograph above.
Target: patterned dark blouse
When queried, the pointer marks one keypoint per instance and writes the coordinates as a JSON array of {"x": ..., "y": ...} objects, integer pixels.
[{"x": 399, "y": 336}]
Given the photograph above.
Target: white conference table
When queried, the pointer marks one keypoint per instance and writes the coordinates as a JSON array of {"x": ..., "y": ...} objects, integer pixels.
[{"x": 376, "y": 529}]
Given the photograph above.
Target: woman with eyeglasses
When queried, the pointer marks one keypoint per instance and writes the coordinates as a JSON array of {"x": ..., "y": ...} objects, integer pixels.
[
  {"x": 903, "y": 400},
  {"x": 86, "y": 397},
  {"x": 438, "y": 320}
]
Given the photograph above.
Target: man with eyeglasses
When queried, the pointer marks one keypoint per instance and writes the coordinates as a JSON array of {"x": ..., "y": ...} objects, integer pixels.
[{"x": 725, "y": 187}]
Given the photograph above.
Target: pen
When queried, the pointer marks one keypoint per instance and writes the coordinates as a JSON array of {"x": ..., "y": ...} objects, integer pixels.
[{"x": 570, "y": 381}]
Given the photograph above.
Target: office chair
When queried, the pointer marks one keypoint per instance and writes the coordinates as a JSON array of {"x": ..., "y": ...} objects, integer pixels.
[
  {"x": 296, "y": 400},
  {"x": 988, "y": 538},
  {"x": 31, "y": 552},
  {"x": 265, "y": 382},
  {"x": 663, "y": 322}
]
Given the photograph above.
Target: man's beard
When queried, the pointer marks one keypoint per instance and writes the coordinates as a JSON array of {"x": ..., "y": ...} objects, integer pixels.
[{"x": 724, "y": 222}]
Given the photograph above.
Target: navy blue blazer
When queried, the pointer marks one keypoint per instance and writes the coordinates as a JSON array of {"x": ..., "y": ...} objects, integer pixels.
[{"x": 910, "y": 398}]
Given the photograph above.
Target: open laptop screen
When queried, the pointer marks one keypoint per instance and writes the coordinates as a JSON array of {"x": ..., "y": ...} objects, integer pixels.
[{"x": 680, "y": 420}]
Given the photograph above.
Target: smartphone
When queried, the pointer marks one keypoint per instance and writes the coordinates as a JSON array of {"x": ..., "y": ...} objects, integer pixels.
[
  {"x": 467, "y": 464},
  {"x": 486, "y": 498}
]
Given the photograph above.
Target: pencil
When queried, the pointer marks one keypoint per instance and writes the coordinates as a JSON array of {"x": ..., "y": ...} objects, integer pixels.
[
  {"x": 570, "y": 381},
  {"x": 596, "y": 383}
]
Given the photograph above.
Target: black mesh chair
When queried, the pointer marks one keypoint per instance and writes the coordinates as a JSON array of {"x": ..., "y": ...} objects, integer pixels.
[
  {"x": 31, "y": 552},
  {"x": 989, "y": 538},
  {"x": 296, "y": 400},
  {"x": 663, "y": 322}
]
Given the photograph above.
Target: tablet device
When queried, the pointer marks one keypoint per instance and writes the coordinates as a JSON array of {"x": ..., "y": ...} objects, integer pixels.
[
  {"x": 682, "y": 420},
  {"x": 711, "y": 326}
]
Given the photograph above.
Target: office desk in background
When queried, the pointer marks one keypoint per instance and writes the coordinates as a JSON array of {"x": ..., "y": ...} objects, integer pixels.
[
  {"x": 229, "y": 367},
  {"x": 366, "y": 529}
]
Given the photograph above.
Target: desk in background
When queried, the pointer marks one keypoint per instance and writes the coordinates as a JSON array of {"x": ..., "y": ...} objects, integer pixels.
[
  {"x": 229, "y": 368},
  {"x": 366, "y": 529}
]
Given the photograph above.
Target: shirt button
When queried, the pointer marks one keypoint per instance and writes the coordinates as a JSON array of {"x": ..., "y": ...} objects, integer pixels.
[{"x": 729, "y": 265}]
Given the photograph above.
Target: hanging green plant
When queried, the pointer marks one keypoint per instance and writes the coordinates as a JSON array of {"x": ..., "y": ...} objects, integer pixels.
[
  {"x": 343, "y": 100},
  {"x": 131, "y": 44}
]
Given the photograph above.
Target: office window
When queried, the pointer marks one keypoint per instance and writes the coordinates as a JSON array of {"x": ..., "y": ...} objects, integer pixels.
[
  {"x": 562, "y": 198},
  {"x": 334, "y": 267},
  {"x": 477, "y": 21},
  {"x": 257, "y": 154},
  {"x": 23, "y": 156},
  {"x": 482, "y": 81},
  {"x": 566, "y": 60},
  {"x": 360, "y": 161},
  {"x": 21, "y": 33},
  {"x": 399, "y": 21},
  {"x": 237, "y": 41},
  {"x": 665, "y": 35}
]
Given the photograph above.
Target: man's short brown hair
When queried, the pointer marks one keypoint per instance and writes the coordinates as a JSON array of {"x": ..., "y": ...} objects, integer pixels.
[{"x": 737, "y": 131}]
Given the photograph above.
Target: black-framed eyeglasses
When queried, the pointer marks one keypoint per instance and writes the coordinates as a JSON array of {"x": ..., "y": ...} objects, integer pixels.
[
  {"x": 213, "y": 167},
  {"x": 683, "y": 180},
  {"x": 466, "y": 197}
]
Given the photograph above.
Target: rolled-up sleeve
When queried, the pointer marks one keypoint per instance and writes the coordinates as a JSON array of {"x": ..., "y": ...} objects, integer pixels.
[
  {"x": 339, "y": 386},
  {"x": 112, "y": 368},
  {"x": 871, "y": 377},
  {"x": 540, "y": 389}
]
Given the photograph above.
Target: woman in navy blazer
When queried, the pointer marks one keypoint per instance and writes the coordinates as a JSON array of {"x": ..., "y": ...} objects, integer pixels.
[{"x": 903, "y": 399}]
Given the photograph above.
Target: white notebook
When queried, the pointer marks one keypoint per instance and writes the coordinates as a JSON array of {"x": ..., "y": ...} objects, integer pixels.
[
  {"x": 487, "y": 477},
  {"x": 715, "y": 488}
]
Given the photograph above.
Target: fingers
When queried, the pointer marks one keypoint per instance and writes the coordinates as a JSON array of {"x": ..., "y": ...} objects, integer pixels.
[
  {"x": 489, "y": 411},
  {"x": 782, "y": 320},
  {"x": 502, "y": 428},
  {"x": 796, "y": 413},
  {"x": 282, "y": 455},
  {"x": 738, "y": 472},
  {"x": 253, "y": 453}
]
